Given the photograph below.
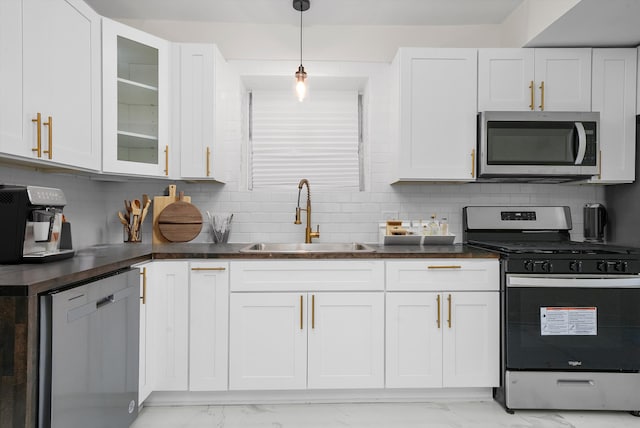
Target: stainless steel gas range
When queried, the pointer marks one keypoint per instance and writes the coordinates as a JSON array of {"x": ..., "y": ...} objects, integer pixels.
[{"x": 569, "y": 310}]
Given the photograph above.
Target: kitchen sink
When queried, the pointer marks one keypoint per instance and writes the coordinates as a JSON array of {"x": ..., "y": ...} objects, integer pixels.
[{"x": 295, "y": 247}]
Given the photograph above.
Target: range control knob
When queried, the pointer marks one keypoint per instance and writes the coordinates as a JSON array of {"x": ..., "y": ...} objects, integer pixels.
[
  {"x": 528, "y": 265},
  {"x": 575, "y": 266},
  {"x": 546, "y": 266},
  {"x": 620, "y": 266},
  {"x": 602, "y": 266}
]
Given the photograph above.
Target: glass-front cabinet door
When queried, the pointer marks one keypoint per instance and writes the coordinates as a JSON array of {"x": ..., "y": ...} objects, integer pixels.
[{"x": 136, "y": 102}]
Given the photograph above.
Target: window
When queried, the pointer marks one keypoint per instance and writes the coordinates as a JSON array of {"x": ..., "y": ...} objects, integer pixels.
[{"x": 318, "y": 139}]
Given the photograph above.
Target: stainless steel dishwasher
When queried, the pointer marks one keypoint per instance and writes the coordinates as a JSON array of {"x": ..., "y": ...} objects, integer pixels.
[{"x": 88, "y": 357}]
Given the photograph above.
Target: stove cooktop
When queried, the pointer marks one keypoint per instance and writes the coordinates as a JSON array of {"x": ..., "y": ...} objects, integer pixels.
[{"x": 569, "y": 248}]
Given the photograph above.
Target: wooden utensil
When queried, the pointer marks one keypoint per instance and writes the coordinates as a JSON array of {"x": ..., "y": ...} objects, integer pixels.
[{"x": 180, "y": 222}]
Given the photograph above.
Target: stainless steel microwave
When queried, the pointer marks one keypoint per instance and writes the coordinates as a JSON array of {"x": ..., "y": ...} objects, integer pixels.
[{"x": 538, "y": 146}]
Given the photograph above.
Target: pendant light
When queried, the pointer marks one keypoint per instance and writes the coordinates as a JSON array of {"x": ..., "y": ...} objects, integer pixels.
[{"x": 301, "y": 75}]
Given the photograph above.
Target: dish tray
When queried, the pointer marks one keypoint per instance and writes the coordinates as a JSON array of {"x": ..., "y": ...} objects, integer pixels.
[{"x": 418, "y": 240}]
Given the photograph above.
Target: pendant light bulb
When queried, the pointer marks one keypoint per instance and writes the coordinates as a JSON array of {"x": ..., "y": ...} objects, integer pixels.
[
  {"x": 301, "y": 85},
  {"x": 301, "y": 75}
]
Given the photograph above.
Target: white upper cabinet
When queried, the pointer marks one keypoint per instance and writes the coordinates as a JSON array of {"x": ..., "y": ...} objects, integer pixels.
[
  {"x": 614, "y": 96},
  {"x": 436, "y": 113},
  {"x": 11, "y": 78},
  {"x": 202, "y": 86},
  {"x": 136, "y": 98},
  {"x": 61, "y": 83},
  {"x": 534, "y": 79}
]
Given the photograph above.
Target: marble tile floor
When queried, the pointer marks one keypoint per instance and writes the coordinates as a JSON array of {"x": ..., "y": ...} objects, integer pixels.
[{"x": 476, "y": 414}]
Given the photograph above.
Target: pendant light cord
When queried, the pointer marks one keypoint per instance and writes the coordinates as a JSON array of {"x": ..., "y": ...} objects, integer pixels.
[{"x": 301, "y": 33}]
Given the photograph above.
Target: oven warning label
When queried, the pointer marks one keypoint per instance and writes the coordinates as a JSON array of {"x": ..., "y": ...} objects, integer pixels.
[{"x": 563, "y": 321}]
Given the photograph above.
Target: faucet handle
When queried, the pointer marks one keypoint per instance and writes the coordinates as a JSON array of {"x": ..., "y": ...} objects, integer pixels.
[{"x": 316, "y": 234}]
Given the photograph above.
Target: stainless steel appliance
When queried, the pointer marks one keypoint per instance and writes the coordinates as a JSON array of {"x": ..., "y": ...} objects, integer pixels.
[
  {"x": 88, "y": 359},
  {"x": 31, "y": 224},
  {"x": 595, "y": 219},
  {"x": 537, "y": 146},
  {"x": 569, "y": 311}
]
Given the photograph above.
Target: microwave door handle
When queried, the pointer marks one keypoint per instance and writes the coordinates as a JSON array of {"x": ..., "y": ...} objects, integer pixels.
[{"x": 582, "y": 143}]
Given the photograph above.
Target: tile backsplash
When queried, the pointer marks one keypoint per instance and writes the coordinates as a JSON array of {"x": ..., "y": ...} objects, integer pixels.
[{"x": 268, "y": 216}]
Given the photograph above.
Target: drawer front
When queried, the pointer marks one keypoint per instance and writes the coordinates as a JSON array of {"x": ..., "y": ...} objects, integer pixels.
[
  {"x": 315, "y": 275},
  {"x": 443, "y": 274}
]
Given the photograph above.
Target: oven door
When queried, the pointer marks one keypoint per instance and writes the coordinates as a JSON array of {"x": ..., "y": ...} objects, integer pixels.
[{"x": 586, "y": 323}]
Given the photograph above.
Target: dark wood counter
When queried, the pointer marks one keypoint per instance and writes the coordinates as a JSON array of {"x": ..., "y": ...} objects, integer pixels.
[{"x": 20, "y": 286}]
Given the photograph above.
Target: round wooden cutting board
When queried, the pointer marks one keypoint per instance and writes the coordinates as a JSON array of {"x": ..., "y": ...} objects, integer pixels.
[{"x": 180, "y": 222}]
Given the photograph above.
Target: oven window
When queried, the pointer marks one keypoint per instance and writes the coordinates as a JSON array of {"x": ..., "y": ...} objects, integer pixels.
[
  {"x": 573, "y": 329},
  {"x": 531, "y": 143}
]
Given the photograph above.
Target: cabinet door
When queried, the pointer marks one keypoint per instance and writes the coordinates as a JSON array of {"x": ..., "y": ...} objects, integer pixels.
[
  {"x": 145, "y": 385},
  {"x": 135, "y": 87},
  {"x": 614, "y": 96},
  {"x": 566, "y": 76},
  {"x": 346, "y": 340},
  {"x": 208, "y": 320},
  {"x": 168, "y": 304},
  {"x": 506, "y": 80},
  {"x": 11, "y": 78},
  {"x": 438, "y": 108},
  {"x": 414, "y": 340},
  {"x": 471, "y": 339},
  {"x": 267, "y": 341},
  {"x": 61, "y": 53}
]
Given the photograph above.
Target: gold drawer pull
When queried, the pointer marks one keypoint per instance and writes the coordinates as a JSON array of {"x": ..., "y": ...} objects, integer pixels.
[
  {"x": 449, "y": 301},
  {"x": 445, "y": 267},
  {"x": 49, "y": 150},
  {"x": 166, "y": 160},
  {"x": 438, "y": 320},
  {"x": 208, "y": 162},
  {"x": 211, "y": 268}
]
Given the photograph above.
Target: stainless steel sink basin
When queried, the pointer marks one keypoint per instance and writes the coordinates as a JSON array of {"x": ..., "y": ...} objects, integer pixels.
[{"x": 294, "y": 247}]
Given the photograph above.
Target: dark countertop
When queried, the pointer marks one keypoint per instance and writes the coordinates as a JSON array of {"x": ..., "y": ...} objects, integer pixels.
[{"x": 92, "y": 262}]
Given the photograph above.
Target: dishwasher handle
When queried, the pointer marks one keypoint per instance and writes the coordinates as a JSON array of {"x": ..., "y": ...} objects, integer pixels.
[{"x": 105, "y": 301}]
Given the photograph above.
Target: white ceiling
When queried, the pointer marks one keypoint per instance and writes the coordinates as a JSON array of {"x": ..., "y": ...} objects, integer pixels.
[
  {"x": 588, "y": 23},
  {"x": 322, "y": 12}
]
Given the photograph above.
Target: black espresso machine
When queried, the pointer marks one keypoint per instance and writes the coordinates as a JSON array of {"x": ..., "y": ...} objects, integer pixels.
[{"x": 31, "y": 224}]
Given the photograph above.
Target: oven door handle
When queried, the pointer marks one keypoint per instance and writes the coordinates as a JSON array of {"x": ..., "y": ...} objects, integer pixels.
[{"x": 573, "y": 282}]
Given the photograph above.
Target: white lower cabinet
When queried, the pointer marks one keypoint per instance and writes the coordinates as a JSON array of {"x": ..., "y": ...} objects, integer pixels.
[
  {"x": 208, "y": 326},
  {"x": 309, "y": 337},
  {"x": 145, "y": 385},
  {"x": 168, "y": 325},
  {"x": 446, "y": 334},
  {"x": 307, "y": 340},
  {"x": 346, "y": 340},
  {"x": 268, "y": 341}
]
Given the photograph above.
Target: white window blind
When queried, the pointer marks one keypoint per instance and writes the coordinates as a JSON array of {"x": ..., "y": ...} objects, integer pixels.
[{"x": 317, "y": 139}]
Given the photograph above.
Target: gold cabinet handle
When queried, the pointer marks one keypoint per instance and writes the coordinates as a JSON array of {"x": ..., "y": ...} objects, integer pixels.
[
  {"x": 473, "y": 163},
  {"x": 533, "y": 95},
  {"x": 449, "y": 302},
  {"x": 301, "y": 311},
  {"x": 313, "y": 311},
  {"x": 208, "y": 162},
  {"x": 144, "y": 286},
  {"x": 49, "y": 123},
  {"x": 438, "y": 320},
  {"x": 211, "y": 268},
  {"x": 38, "y": 148},
  {"x": 166, "y": 160},
  {"x": 445, "y": 267},
  {"x": 542, "y": 95}
]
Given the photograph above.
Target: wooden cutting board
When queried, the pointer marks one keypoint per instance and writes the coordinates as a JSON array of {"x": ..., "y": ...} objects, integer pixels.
[
  {"x": 159, "y": 204},
  {"x": 180, "y": 222}
]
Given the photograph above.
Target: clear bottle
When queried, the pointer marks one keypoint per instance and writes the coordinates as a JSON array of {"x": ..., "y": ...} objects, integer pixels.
[
  {"x": 433, "y": 226},
  {"x": 444, "y": 226}
]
